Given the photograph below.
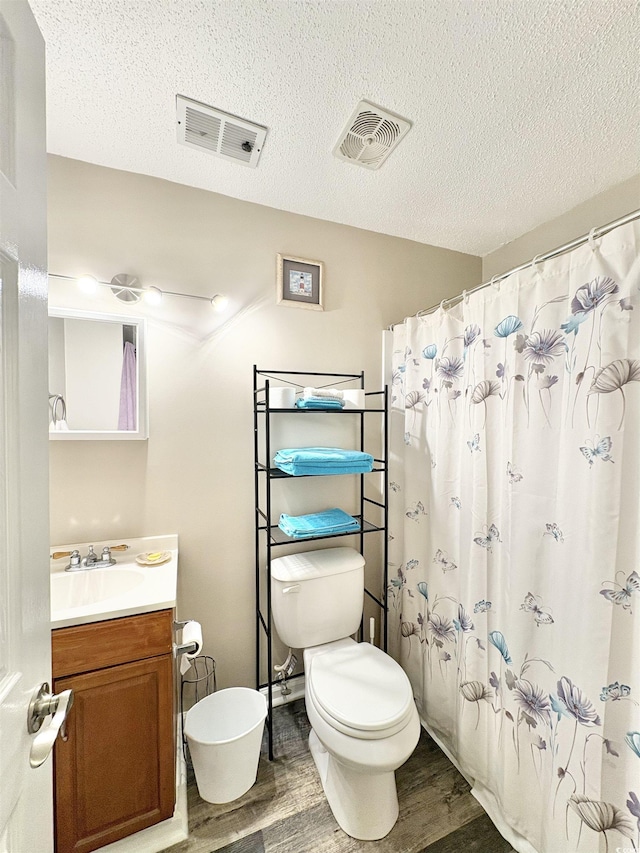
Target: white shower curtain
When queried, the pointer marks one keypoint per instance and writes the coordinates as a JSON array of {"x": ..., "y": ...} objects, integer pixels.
[{"x": 515, "y": 542}]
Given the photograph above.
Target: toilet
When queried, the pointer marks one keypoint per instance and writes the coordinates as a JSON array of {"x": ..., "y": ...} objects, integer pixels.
[{"x": 364, "y": 722}]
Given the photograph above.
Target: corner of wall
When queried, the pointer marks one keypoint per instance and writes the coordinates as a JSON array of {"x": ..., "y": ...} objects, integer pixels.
[{"x": 602, "y": 208}]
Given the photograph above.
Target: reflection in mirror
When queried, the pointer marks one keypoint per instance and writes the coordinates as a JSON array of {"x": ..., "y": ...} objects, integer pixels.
[{"x": 96, "y": 376}]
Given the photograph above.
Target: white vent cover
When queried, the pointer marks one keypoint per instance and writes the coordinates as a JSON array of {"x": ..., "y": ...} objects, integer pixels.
[
  {"x": 370, "y": 136},
  {"x": 208, "y": 129}
]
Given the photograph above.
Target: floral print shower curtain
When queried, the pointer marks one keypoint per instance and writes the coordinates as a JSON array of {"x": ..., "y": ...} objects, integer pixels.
[{"x": 515, "y": 542}]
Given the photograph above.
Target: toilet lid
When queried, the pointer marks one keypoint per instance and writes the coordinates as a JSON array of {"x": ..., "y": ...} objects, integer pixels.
[{"x": 361, "y": 687}]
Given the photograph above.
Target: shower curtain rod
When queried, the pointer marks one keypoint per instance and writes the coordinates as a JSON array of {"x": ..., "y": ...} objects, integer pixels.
[{"x": 567, "y": 247}]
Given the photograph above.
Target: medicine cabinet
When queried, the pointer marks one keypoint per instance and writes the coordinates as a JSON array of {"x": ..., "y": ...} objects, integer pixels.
[{"x": 97, "y": 376}]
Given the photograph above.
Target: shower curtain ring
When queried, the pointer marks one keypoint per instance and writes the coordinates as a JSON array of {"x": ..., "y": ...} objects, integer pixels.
[
  {"x": 534, "y": 263},
  {"x": 495, "y": 282},
  {"x": 465, "y": 297},
  {"x": 592, "y": 239}
]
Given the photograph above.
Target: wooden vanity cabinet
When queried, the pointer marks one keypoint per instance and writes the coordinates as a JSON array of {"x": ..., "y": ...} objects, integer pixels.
[{"x": 115, "y": 770}]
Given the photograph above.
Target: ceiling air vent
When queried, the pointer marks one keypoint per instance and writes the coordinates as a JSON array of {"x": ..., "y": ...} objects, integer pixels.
[
  {"x": 370, "y": 136},
  {"x": 208, "y": 129}
]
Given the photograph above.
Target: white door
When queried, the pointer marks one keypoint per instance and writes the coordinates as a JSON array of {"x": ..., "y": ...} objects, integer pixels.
[{"x": 25, "y": 659}]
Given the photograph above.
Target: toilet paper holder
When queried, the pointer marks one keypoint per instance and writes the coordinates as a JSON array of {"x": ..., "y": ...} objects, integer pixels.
[{"x": 183, "y": 648}]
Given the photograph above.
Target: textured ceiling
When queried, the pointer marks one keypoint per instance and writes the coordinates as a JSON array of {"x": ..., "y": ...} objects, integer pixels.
[{"x": 521, "y": 109}]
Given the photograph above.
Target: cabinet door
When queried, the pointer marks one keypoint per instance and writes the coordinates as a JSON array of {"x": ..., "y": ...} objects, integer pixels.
[{"x": 114, "y": 774}]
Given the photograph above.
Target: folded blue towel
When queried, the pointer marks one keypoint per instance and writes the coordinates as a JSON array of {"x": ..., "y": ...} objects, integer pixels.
[
  {"x": 319, "y": 403},
  {"x": 323, "y": 470},
  {"x": 334, "y": 455},
  {"x": 325, "y": 523},
  {"x": 322, "y": 461}
]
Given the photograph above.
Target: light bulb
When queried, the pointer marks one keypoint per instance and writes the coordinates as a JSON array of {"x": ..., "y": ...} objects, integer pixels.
[
  {"x": 219, "y": 302},
  {"x": 152, "y": 295},
  {"x": 88, "y": 284}
]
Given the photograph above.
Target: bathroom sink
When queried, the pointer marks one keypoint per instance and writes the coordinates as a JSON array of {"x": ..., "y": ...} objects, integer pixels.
[
  {"x": 78, "y": 589},
  {"x": 125, "y": 589}
]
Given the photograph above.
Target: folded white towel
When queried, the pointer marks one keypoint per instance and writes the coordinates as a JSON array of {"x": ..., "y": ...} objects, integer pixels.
[{"x": 329, "y": 393}]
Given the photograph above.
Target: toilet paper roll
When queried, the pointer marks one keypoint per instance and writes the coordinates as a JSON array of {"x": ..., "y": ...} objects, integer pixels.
[
  {"x": 191, "y": 633},
  {"x": 282, "y": 397},
  {"x": 354, "y": 398}
]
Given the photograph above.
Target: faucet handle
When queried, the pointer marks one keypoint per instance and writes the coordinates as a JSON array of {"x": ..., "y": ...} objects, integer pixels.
[
  {"x": 58, "y": 555},
  {"x": 74, "y": 561}
]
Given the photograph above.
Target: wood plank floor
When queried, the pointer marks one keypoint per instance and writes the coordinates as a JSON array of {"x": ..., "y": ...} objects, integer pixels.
[{"x": 286, "y": 811}]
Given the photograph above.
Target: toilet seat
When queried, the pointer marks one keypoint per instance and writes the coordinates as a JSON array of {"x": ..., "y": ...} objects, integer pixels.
[{"x": 360, "y": 691}]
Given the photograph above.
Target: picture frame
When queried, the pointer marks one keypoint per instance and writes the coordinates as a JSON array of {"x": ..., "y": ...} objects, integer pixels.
[{"x": 299, "y": 282}]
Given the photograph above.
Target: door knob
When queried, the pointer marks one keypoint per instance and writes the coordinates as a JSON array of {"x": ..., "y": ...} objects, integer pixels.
[{"x": 43, "y": 704}]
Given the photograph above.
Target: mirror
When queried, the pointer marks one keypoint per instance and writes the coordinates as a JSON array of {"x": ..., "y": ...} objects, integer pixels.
[{"x": 97, "y": 376}]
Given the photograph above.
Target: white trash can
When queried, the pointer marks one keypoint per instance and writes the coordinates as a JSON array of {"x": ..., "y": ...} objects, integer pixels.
[{"x": 224, "y": 733}]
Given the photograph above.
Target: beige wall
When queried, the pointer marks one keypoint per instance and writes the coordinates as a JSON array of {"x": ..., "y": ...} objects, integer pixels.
[
  {"x": 194, "y": 476},
  {"x": 599, "y": 210}
]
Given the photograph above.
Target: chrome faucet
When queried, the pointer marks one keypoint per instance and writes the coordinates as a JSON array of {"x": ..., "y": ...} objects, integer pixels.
[{"x": 91, "y": 560}]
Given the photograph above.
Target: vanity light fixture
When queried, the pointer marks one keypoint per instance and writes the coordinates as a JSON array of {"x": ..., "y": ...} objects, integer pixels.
[
  {"x": 153, "y": 295},
  {"x": 127, "y": 288},
  {"x": 88, "y": 284},
  {"x": 219, "y": 302}
]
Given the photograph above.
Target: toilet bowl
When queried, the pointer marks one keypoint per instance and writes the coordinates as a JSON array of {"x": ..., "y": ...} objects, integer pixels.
[
  {"x": 364, "y": 726},
  {"x": 359, "y": 700}
]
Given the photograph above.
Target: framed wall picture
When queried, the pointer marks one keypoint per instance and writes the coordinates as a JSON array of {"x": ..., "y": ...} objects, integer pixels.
[{"x": 299, "y": 282}]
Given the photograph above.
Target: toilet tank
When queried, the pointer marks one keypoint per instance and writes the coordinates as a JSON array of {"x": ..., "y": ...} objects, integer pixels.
[{"x": 318, "y": 596}]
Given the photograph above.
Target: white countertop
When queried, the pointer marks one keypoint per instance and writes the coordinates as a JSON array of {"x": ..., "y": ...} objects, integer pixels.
[{"x": 93, "y": 595}]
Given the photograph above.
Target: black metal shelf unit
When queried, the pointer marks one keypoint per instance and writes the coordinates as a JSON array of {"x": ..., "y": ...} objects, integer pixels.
[{"x": 269, "y": 536}]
